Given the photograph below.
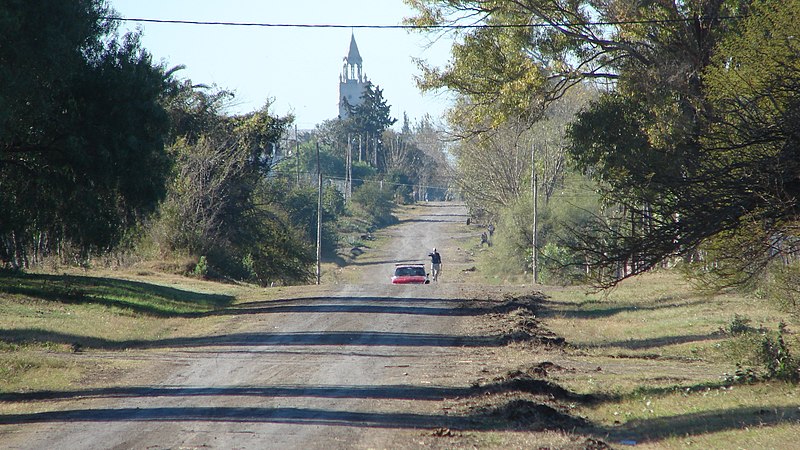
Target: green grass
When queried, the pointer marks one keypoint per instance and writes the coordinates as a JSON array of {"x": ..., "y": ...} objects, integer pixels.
[
  {"x": 22, "y": 371},
  {"x": 664, "y": 353},
  {"x": 134, "y": 296},
  {"x": 79, "y": 312},
  {"x": 47, "y": 318}
]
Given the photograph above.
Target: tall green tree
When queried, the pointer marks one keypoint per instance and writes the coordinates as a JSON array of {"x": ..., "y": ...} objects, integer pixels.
[
  {"x": 369, "y": 120},
  {"x": 645, "y": 141},
  {"x": 710, "y": 175},
  {"x": 754, "y": 143},
  {"x": 81, "y": 129},
  {"x": 224, "y": 204}
]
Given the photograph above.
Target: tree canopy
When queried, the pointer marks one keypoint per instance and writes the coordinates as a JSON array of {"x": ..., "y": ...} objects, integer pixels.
[
  {"x": 693, "y": 141},
  {"x": 81, "y": 128}
]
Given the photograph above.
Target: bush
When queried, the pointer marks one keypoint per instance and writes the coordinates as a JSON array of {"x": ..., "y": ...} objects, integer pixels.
[
  {"x": 760, "y": 354},
  {"x": 511, "y": 247},
  {"x": 782, "y": 286},
  {"x": 557, "y": 220},
  {"x": 401, "y": 184},
  {"x": 201, "y": 269},
  {"x": 557, "y": 265},
  {"x": 374, "y": 204},
  {"x": 778, "y": 361},
  {"x": 739, "y": 325}
]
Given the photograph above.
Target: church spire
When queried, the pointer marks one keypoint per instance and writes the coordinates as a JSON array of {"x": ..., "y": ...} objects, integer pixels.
[
  {"x": 353, "y": 57},
  {"x": 352, "y": 81},
  {"x": 351, "y": 69}
]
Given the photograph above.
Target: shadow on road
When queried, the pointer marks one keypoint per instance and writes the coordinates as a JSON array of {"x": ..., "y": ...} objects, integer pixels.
[
  {"x": 140, "y": 297},
  {"x": 344, "y": 305},
  {"x": 586, "y": 310},
  {"x": 392, "y": 261},
  {"x": 371, "y": 305},
  {"x": 642, "y": 430},
  {"x": 310, "y": 338}
]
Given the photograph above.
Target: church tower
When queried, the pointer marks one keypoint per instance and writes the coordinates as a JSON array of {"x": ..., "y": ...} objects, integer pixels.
[{"x": 352, "y": 81}]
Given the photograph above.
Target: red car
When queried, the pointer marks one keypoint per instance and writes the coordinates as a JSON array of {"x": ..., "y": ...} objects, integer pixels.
[{"x": 410, "y": 274}]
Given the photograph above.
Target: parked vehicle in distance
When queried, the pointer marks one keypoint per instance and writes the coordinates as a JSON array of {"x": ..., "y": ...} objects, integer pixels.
[{"x": 410, "y": 274}]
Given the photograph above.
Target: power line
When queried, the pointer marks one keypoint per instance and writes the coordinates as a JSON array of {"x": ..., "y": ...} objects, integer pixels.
[
  {"x": 421, "y": 27},
  {"x": 289, "y": 172}
]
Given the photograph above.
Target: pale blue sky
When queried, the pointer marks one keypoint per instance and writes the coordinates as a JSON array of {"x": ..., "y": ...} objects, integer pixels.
[{"x": 297, "y": 67}]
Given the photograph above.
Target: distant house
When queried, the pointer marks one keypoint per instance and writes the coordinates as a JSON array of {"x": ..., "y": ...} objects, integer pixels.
[{"x": 352, "y": 81}]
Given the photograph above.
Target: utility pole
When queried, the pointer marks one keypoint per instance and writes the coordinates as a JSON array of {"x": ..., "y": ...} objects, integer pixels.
[
  {"x": 348, "y": 189},
  {"x": 319, "y": 219},
  {"x": 535, "y": 195}
]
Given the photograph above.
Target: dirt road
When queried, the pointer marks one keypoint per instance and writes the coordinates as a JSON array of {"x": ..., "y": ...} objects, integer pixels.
[{"x": 362, "y": 365}]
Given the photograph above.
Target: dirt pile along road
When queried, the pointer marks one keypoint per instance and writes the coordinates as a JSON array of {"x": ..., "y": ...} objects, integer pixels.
[{"x": 361, "y": 365}]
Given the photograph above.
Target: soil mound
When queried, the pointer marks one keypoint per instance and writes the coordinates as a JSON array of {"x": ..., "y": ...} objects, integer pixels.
[{"x": 532, "y": 416}]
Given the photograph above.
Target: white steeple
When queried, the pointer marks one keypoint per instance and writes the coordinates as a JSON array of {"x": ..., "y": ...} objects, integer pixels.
[{"x": 352, "y": 79}]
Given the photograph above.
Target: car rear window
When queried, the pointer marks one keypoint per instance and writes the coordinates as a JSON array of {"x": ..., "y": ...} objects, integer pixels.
[{"x": 409, "y": 271}]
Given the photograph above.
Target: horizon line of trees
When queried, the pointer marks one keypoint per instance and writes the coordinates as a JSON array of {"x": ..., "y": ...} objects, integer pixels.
[
  {"x": 103, "y": 152},
  {"x": 685, "y": 152}
]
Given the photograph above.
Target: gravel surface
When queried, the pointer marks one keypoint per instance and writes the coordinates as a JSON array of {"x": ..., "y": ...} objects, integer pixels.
[{"x": 361, "y": 365}]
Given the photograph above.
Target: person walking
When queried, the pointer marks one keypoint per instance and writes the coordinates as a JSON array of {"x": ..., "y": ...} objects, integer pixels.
[{"x": 436, "y": 264}]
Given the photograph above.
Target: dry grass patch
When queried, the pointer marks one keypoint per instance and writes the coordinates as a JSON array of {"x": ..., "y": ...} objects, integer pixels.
[
  {"x": 663, "y": 357},
  {"x": 659, "y": 360},
  {"x": 56, "y": 326}
]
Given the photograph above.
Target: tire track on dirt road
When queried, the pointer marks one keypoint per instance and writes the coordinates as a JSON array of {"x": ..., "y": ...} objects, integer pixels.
[{"x": 331, "y": 371}]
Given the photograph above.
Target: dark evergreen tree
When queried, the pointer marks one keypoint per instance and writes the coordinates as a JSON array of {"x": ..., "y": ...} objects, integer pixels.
[
  {"x": 369, "y": 120},
  {"x": 81, "y": 129}
]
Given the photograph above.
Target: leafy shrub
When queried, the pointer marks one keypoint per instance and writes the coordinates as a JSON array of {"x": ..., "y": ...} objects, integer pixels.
[
  {"x": 777, "y": 359},
  {"x": 374, "y": 203},
  {"x": 761, "y": 354},
  {"x": 782, "y": 286},
  {"x": 742, "y": 375},
  {"x": 249, "y": 265},
  {"x": 557, "y": 221},
  {"x": 511, "y": 242},
  {"x": 739, "y": 325},
  {"x": 558, "y": 265},
  {"x": 201, "y": 269},
  {"x": 333, "y": 203},
  {"x": 401, "y": 184}
]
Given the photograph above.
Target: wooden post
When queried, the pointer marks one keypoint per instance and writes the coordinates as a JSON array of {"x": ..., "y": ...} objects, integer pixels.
[
  {"x": 319, "y": 219},
  {"x": 535, "y": 195},
  {"x": 348, "y": 191}
]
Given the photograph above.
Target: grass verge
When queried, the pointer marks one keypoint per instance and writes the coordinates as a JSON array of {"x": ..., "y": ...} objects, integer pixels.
[
  {"x": 48, "y": 319},
  {"x": 664, "y": 358}
]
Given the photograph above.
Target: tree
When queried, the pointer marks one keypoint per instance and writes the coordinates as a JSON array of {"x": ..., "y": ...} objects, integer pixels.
[
  {"x": 374, "y": 203},
  {"x": 373, "y": 114},
  {"x": 754, "y": 87},
  {"x": 193, "y": 109},
  {"x": 721, "y": 185},
  {"x": 369, "y": 120},
  {"x": 644, "y": 141},
  {"x": 433, "y": 169},
  {"x": 223, "y": 204},
  {"x": 81, "y": 130},
  {"x": 493, "y": 168},
  {"x": 492, "y": 72}
]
